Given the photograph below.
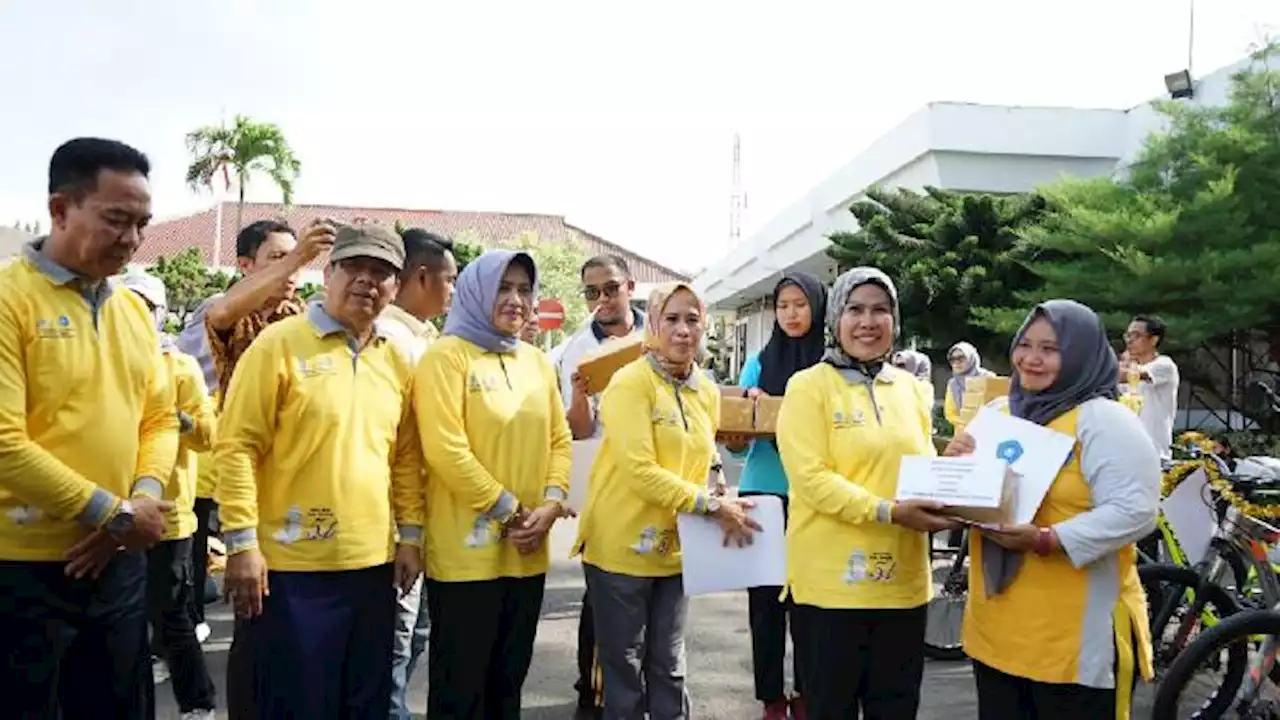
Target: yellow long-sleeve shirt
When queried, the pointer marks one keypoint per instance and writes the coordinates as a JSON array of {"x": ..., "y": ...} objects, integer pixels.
[
  {"x": 841, "y": 446},
  {"x": 315, "y": 449},
  {"x": 196, "y": 427},
  {"x": 86, "y": 410},
  {"x": 495, "y": 437},
  {"x": 657, "y": 448},
  {"x": 206, "y": 470}
]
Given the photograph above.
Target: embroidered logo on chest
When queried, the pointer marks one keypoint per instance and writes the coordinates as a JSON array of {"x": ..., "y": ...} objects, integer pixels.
[
  {"x": 665, "y": 417},
  {"x": 842, "y": 420},
  {"x": 481, "y": 383},
  {"x": 57, "y": 329},
  {"x": 315, "y": 366}
]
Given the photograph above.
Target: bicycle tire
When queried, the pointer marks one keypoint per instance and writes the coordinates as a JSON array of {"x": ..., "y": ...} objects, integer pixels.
[
  {"x": 1228, "y": 609},
  {"x": 1233, "y": 632},
  {"x": 944, "y": 604}
]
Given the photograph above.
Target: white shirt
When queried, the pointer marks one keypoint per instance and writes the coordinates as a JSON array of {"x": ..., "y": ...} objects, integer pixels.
[
  {"x": 1159, "y": 402},
  {"x": 408, "y": 335},
  {"x": 570, "y": 353}
]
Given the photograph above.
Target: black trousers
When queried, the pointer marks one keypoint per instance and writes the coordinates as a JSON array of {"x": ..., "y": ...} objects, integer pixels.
[
  {"x": 590, "y": 695},
  {"x": 481, "y": 645},
  {"x": 1002, "y": 696},
  {"x": 169, "y": 607},
  {"x": 860, "y": 663},
  {"x": 767, "y": 616},
  {"x": 242, "y": 681},
  {"x": 206, "y": 511},
  {"x": 75, "y": 646}
]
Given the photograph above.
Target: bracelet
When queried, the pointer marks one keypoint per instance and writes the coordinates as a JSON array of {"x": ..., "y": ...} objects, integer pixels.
[{"x": 1044, "y": 542}]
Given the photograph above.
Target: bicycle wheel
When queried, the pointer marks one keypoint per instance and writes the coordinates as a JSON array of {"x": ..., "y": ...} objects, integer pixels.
[
  {"x": 945, "y": 611},
  {"x": 1231, "y": 636},
  {"x": 1176, "y": 611}
]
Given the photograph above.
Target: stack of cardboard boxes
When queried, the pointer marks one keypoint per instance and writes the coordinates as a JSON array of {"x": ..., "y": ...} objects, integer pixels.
[
  {"x": 979, "y": 391},
  {"x": 740, "y": 415}
]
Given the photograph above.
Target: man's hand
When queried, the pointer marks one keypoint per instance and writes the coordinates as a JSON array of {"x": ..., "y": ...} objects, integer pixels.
[
  {"x": 960, "y": 445},
  {"x": 91, "y": 555},
  {"x": 921, "y": 515},
  {"x": 529, "y": 534},
  {"x": 317, "y": 239},
  {"x": 148, "y": 523},
  {"x": 737, "y": 525},
  {"x": 580, "y": 386},
  {"x": 246, "y": 582},
  {"x": 408, "y": 566}
]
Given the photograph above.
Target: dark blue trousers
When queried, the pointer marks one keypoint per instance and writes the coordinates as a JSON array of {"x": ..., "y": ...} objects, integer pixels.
[{"x": 323, "y": 644}]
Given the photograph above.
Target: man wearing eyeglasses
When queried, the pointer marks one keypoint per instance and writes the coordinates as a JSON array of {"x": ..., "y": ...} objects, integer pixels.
[
  {"x": 607, "y": 286},
  {"x": 1156, "y": 378}
]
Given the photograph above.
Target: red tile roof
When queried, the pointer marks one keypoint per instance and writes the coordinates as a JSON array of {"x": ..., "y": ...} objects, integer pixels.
[{"x": 169, "y": 237}]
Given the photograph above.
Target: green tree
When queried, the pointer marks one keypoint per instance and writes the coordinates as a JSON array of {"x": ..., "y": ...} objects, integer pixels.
[
  {"x": 947, "y": 252},
  {"x": 188, "y": 282},
  {"x": 242, "y": 150}
]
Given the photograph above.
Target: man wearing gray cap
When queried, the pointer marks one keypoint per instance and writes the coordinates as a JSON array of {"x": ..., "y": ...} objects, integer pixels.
[{"x": 319, "y": 468}]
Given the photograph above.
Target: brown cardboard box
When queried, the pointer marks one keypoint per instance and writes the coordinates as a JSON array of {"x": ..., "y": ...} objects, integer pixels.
[
  {"x": 979, "y": 391},
  {"x": 987, "y": 515},
  {"x": 737, "y": 415},
  {"x": 767, "y": 409},
  {"x": 598, "y": 367}
]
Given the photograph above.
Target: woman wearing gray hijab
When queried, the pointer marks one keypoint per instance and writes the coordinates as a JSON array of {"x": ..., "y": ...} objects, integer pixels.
[
  {"x": 857, "y": 561},
  {"x": 918, "y": 364},
  {"x": 1056, "y": 621},
  {"x": 965, "y": 363}
]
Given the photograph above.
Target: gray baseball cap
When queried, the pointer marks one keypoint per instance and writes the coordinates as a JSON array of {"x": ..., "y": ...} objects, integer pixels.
[{"x": 368, "y": 240}]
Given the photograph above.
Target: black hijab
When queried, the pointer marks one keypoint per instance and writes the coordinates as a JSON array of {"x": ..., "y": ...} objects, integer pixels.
[
  {"x": 1089, "y": 367},
  {"x": 784, "y": 356}
]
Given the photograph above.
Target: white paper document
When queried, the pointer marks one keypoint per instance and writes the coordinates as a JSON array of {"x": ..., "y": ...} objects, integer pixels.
[
  {"x": 710, "y": 567},
  {"x": 1034, "y": 453},
  {"x": 975, "y": 481},
  {"x": 1189, "y": 512},
  {"x": 584, "y": 454}
]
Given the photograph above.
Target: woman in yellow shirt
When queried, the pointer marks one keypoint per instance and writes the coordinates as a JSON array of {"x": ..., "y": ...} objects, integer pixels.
[
  {"x": 497, "y": 448},
  {"x": 659, "y": 416},
  {"x": 965, "y": 363},
  {"x": 857, "y": 562},
  {"x": 1056, "y": 621}
]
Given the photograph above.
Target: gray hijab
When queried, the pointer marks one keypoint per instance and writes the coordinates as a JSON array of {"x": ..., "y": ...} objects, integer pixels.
[
  {"x": 844, "y": 286},
  {"x": 916, "y": 363},
  {"x": 476, "y": 292},
  {"x": 1088, "y": 370}
]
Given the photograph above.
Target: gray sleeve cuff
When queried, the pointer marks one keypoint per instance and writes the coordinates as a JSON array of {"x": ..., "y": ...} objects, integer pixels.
[
  {"x": 410, "y": 534},
  {"x": 884, "y": 512},
  {"x": 238, "y": 541},
  {"x": 506, "y": 506},
  {"x": 96, "y": 513},
  {"x": 700, "y": 503},
  {"x": 149, "y": 487},
  {"x": 185, "y": 422}
]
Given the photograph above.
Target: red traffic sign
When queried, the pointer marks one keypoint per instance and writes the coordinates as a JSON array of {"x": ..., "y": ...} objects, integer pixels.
[{"x": 550, "y": 314}]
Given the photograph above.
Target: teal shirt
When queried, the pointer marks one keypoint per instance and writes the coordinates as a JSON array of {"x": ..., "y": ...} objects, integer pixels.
[{"x": 762, "y": 472}]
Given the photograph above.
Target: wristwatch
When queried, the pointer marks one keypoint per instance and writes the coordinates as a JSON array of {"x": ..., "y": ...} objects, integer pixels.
[
  {"x": 713, "y": 504},
  {"x": 121, "y": 523}
]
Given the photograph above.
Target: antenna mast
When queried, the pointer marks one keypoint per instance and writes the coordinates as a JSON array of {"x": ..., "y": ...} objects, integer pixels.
[{"x": 737, "y": 198}]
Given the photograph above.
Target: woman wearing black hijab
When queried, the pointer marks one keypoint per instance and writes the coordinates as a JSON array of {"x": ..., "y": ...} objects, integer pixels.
[
  {"x": 799, "y": 306},
  {"x": 1056, "y": 622}
]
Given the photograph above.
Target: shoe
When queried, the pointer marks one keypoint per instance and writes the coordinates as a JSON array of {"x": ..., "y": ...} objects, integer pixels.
[
  {"x": 159, "y": 671},
  {"x": 203, "y": 631},
  {"x": 799, "y": 710},
  {"x": 199, "y": 715},
  {"x": 776, "y": 710}
]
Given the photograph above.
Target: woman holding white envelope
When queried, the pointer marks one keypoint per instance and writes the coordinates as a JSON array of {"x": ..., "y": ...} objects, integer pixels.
[
  {"x": 858, "y": 562},
  {"x": 1056, "y": 621},
  {"x": 659, "y": 416}
]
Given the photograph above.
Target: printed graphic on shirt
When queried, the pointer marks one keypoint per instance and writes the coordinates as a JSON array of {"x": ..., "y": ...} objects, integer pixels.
[
  {"x": 876, "y": 567},
  {"x": 484, "y": 532},
  {"x": 24, "y": 515},
  {"x": 315, "y": 367},
  {"x": 842, "y": 421},
  {"x": 314, "y": 524},
  {"x": 487, "y": 383},
  {"x": 667, "y": 418},
  {"x": 655, "y": 541},
  {"x": 60, "y": 329}
]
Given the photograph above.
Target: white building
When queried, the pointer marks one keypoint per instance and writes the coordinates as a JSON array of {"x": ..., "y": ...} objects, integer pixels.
[{"x": 955, "y": 146}]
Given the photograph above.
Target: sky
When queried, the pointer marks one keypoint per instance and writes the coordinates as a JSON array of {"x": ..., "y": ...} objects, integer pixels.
[{"x": 620, "y": 116}]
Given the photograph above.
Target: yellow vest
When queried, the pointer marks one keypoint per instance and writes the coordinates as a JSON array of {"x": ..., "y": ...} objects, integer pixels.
[{"x": 1034, "y": 628}]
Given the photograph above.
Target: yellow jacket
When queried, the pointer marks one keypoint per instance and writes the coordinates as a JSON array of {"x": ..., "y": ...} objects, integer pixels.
[
  {"x": 841, "y": 442},
  {"x": 495, "y": 438},
  {"x": 657, "y": 449},
  {"x": 197, "y": 429},
  {"x": 86, "y": 407},
  {"x": 316, "y": 450}
]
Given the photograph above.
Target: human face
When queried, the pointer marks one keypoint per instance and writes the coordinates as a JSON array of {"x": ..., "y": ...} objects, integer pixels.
[
  {"x": 514, "y": 303},
  {"x": 1139, "y": 341},
  {"x": 529, "y": 333},
  {"x": 608, "y": 294},
  {"x": 98, "y": 233},
  {"x": 791, "y": 308},
  {"x": 866, "y": 324},
  {"x": 357, "y": 290},
  {"x": 680, "y": 328},
  {"x": 439, "y": 286},
  {"x": 958, "y": 362},
  {"x": 272, "y": 250},
  {"x": 1036, "y": 358}
]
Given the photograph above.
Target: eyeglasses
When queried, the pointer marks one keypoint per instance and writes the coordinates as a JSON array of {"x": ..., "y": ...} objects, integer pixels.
[
  {"x": 609, "y": 290},
  {"x": 1134, "y": 335}
]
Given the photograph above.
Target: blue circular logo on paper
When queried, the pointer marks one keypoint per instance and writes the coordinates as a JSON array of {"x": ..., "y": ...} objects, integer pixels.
[
  {"x": 64, "y": 321},
  {"x": 1009, "y": 451}
]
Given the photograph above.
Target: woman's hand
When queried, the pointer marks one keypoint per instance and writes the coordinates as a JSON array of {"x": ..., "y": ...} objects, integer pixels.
[
  {"x": 961, "y": 444},
  {"x": 528, "y": 534},
  {"x": 737, "y": 525},
  {"x": 245, "y": 582},
  {"x": 735, "y": 442},
  {"x": 1019, "y": 538},
  {"x": 756, "y": 393},
  {"x": 921, "y": 515}
]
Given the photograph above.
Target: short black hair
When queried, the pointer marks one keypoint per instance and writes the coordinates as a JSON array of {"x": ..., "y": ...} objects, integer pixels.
[
  {"x": 74, "y": 167},
  {"x": 607, "y": 261},
  {"x": 1155, "y": 325},
  {"x": 255, "y": 233},
  {"x": 423, "y": 247}
]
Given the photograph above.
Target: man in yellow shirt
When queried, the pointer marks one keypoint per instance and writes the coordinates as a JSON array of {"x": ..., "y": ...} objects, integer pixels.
[
  {"x": 88, "y": 437},
  {"x": 319, "y": 473}
]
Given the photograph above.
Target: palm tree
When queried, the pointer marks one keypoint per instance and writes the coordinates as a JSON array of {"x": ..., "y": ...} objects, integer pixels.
[{"x": 245, "y": 148}]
